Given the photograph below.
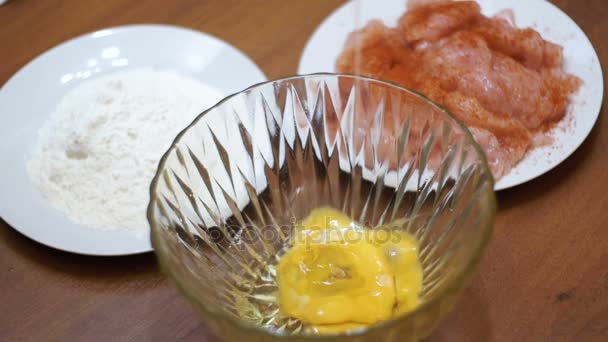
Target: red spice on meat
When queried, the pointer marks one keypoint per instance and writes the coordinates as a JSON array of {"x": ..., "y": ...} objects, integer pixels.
[{"x": 506, "y": 84}]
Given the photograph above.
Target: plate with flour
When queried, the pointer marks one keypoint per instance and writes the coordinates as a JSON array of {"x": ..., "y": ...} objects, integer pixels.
[{"x": 83, "y": 125}]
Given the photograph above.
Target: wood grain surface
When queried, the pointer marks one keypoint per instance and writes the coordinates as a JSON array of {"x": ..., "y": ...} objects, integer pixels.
[{"x": 544, "y": 277}]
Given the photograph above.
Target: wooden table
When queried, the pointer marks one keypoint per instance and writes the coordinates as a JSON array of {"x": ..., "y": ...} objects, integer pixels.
[{"x": 544, "y": 277}]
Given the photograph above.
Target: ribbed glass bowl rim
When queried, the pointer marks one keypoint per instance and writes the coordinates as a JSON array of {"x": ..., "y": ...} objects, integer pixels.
[{"x": 452, "y": 288}]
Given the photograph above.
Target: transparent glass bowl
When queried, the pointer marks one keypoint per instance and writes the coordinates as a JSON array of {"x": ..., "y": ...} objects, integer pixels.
[{"x": 228, "y": 191}]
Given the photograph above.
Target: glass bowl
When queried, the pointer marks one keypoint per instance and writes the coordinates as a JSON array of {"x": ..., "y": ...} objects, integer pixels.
[{"x": 229, "y": 191}]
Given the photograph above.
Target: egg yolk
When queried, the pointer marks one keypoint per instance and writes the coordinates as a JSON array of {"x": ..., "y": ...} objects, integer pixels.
[
  {"x": 401, "y": 252},
  {"x": 340, "y": 277}
]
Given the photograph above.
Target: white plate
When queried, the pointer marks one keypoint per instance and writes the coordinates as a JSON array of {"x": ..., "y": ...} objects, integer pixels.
[
  {"x": 32, "y": 94},
  {"x": 580, "y": 59}
]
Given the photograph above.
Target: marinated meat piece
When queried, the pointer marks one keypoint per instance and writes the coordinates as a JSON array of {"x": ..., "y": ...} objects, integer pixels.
[
  {"x": 553, "y": 56},
  {"x": 525, "y": 46},
  {"x": 506, "y": 84},
  {"x": 561, "y": 85},
  {"x": 506, "y": 15},
  {"x": 465, "y": 59},
  {"x": 433, "y": 21},
  {"x": 514, "y": 139},
  {"x": 495, "y": 154},
  {"x": 382, "y": 50}
]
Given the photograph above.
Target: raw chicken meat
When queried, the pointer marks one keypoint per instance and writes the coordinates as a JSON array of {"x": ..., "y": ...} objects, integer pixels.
[
  {"x": 506, "y": 84},
  {"x": 435, "y": 20}
]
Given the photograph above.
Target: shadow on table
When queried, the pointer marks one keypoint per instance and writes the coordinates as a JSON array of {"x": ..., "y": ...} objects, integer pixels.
[
  {"x": 538, "y": 187},
  {"x": 469, "y": 321},
  {"x": 98, "y": 269}
]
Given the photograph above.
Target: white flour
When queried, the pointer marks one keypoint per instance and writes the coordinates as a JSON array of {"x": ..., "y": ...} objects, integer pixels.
[{"x": 98, "y": 152}]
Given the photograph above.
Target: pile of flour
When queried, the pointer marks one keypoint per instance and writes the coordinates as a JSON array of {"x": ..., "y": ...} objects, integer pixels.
[{"x": 98, "y": 152}]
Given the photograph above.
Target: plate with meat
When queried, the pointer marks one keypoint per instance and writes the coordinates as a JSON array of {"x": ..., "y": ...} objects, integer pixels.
[{"x": 520, "y": 74}]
